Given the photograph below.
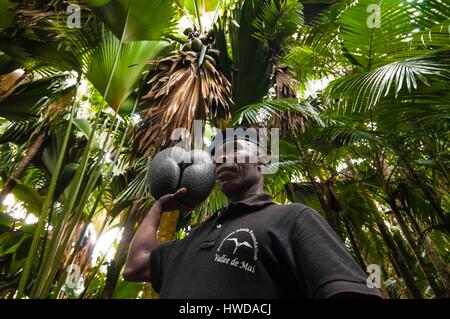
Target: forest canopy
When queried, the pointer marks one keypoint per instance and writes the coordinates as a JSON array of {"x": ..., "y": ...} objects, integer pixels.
[{"x": 91, "y": 90}]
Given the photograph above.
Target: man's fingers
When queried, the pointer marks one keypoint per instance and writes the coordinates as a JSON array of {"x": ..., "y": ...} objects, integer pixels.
[
  {"x": 179, "y": 192},
  {"x": 175, "y": 195}
]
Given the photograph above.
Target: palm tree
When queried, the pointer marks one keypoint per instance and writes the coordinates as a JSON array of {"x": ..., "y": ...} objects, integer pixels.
[
  {"x": 368, "y": 149},
  {"x": 374, "y": 80}
]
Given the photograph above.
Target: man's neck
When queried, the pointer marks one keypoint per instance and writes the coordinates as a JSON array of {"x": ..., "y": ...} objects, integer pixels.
[{"x": 252, "y": 191}]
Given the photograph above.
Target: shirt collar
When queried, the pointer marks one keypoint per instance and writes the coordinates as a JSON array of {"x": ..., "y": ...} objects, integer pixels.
[{"x": 259, "y": 200}]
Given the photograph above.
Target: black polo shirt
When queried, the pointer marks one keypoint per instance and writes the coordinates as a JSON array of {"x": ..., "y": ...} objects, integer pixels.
[{"x": 257, "y": 249}]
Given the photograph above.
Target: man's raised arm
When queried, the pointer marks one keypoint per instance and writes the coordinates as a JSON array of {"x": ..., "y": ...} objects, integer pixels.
[{"x": 137, "y": 266}]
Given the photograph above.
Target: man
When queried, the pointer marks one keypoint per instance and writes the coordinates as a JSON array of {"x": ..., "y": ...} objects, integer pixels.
[{"x": 252, "y": 248}]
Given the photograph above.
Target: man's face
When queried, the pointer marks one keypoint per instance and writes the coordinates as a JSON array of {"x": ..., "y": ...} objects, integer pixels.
[{"x": 236, "y": 167}]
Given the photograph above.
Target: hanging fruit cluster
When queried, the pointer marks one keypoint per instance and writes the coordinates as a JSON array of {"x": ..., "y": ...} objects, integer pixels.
[
  {"x": 201, "y": 41},
  {"x": 183, "y": 87}
]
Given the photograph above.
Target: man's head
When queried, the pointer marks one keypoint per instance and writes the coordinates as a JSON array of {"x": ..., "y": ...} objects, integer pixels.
[{"x": 238, "y": 156}]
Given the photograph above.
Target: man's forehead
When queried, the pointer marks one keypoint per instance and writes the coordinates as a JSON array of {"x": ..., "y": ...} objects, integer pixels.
[
  {"x": 239, "y": 134},
  {"x": 237, "y": 144}
]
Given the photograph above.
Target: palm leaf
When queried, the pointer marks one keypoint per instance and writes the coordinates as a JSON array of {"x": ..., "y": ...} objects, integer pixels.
[
  {"x": 147, "y": 19},
  {"x": 49, "y": 45},
  {"x": 6, "y": 14},
  {"x": 29, "y": 196},
  {"x": 128, "y": 71},
  {"x": 314, "y": 55},
  {"x": 426, "y": 106},
  {"x": 361, "y": 92},
  {"x": 252, "y": 66},
  {"x": 369, "y": 45},
  {"x": 346, "y": 135},
  {"x": 22, "y": 103},
  {"x": 260, "y": 112},
  {"x": 433, "y": 12},
  {"x": 17, "y": 132},
  {"x": 7, "y": 64},
  {"x": 435, "y": 37},
  {"x": 203, "y": 5},
  {"x": 183, "y": 90},
  {"x": 277, "y": 21}
]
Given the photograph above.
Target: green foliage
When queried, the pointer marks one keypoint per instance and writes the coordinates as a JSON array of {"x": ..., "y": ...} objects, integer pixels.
[
  {"x": 132, "y": 62},
  {"x": 278, "y": 21},
  {"x": 23, "y": 103},
  {"x": 137, "y": 20},
  {"x": 368, "y": 150}
]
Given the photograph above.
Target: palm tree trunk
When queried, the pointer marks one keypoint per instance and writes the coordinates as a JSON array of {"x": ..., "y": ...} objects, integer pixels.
[
  {"x": 424, "y": 265},
  {"x": 330, "y": 217},
  {"x": 119, "y": 258},
  {"x": 355, "y": 247},
  {"x": 429, "y": 194},
  {"x": 442, "y": 268},
  {"x": 399, "y": 260},
  {"x": 23, "y": 165}
]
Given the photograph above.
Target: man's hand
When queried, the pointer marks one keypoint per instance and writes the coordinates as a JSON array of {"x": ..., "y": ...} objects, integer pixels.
[
  {"x": 171, "y": 202},
  {"x": 137, "y": 266}
]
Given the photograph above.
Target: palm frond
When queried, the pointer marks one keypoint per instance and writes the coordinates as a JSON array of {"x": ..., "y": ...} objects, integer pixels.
[
  {"x": 7, "y": 64},
  {"x": 49, "y": 45},
  {"x": 139, "y": 20},
  {"x": 361, "y": 92},
  {"x": 22, "y": 104},
  {"x": 36, "y": 177},
  {"x": 316, "y": 51},
  {"x": 375, "y": 38},
  {"x": 427, "y": 106},
  {"x": 435, "y": 37},
  {"x": 346, "y": 135},
  {"x": 17, "y": 132},
  {"x": 264, "y": 111},
  {"x": 277, "y": 21},
  {"x": 433, "y": 12},
  {"x": 285, "y": 85},
  {"x": 132, "y": 61},
  {"x": 181, "y": 91},
  {"x": 252, "y": 65},
  {"x": 6, "y": 14}
]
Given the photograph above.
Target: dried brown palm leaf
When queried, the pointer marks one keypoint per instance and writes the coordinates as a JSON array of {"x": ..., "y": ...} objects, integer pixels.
[
  {"x": 287, "y": 122},
  {"x": 9, "y": 82},
  {"x": 181, "y": 91},
  {"x": 59, "y": 104},
  {"x": 284, "y": 84}
]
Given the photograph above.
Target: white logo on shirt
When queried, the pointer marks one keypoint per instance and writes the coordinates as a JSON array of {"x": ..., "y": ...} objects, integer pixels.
[
  {"x": 237, "y": 244},
  {"x": 234, "y": 255}
]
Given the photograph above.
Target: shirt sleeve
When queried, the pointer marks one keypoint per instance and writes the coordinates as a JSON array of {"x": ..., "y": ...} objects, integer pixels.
[
  {"x": 160, "y": 259},
  {"x": 320, "y": 261}
]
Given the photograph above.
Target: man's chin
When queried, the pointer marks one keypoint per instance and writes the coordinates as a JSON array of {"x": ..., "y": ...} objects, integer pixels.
[{"x": 227, "y": 187}]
